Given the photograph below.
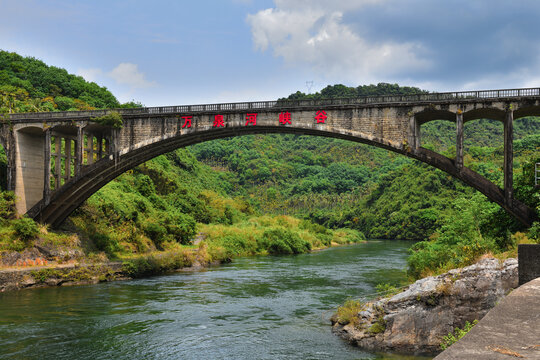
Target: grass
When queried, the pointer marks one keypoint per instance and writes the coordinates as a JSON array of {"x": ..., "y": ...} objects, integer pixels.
[
  {"x": 379, "y": 326},
  {"x": 157, "y": 263},
  {"x": 348, "y": 313}
]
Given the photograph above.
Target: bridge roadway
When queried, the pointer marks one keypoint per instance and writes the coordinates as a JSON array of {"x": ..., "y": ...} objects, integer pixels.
[{"x": 56, "y": 160}]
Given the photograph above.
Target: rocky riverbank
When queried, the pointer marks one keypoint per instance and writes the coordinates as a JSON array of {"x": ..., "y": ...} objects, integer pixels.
[
  {"x": 415, "y": 320},
  {"x": 45, "y": 266}
]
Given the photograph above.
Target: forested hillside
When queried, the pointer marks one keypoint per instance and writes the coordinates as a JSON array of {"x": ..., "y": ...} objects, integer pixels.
[
  {"x": 282, "y": 193},
  {"x": 28, "y": 84}
]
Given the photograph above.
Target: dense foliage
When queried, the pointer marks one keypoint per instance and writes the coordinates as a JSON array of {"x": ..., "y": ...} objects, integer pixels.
[
  {"x": 28, "y": 84},
  {"x": 343, "y": 91}
]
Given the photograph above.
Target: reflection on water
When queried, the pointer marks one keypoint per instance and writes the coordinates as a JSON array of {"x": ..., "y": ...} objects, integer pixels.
[{"x": 254, "y": 308}]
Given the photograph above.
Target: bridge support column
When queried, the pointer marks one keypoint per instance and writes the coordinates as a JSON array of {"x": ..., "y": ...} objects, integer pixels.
[
  {"x": 508, "y": 157},
  {"x": 99, "y": 144},
  {"x": 114, "y": 149},
  {"x": 414, "y": 133},
  {"x": 47, "y": 168},
  {"x": 79, "y": 151},
  {"x": 459, "y": 140}
]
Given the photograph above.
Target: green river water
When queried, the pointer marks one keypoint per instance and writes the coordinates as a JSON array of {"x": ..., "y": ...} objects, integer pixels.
[{"x": 255, "y": 308}]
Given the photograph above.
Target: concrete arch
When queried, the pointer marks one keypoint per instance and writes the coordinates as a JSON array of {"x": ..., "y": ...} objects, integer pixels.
[
  {"x": 76, "y": 191},
  {"x": 524, "y": 111},
  {"x": 484, "y": 113},
  {"x": 428, "y": 115},
  {"x": 64, "y": 129}
]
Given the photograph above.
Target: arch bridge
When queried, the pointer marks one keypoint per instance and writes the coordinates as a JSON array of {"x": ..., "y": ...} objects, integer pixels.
[{"x": 56, "y": 160}]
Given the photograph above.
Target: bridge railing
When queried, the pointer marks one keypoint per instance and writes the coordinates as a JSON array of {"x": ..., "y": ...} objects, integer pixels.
[{"x": 290, "y": 104}]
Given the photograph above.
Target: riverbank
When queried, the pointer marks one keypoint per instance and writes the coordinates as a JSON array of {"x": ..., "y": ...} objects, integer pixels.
[
  {"x": 82, "y": 272},
  {"x": 46, "y": 264},
  {"x": 416, "y": 320}
]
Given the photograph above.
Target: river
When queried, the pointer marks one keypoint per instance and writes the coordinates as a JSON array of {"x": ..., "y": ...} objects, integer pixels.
[{"x": 254, "y": 308}]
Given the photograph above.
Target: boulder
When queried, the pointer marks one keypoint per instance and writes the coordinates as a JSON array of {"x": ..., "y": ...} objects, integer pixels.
[{"x": 416, "y": 320}]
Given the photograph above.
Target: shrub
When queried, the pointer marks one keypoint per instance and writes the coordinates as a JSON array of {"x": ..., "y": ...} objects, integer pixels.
[
  {"x": 112, "y": 119},
  {"x": 458, "y": 333},
  {"x": 279, "y": 240},
  {"x": 7, "y": 205},
  {"x": 25, "y": 228},
  {"x": 155, "y": 231},
  {"x": 348, "y": 313},
  {"x": 534, "y": 232},
  {"x": 156, "y": 264},
  {"x": 104, "y": 242},
  {"x": 182, "y": 226},
  {"x": 387, "y": 290},
  {"x": 379, "y": 326}
]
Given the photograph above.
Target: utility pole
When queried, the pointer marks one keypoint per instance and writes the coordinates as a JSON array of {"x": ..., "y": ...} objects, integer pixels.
[{"x": 309, "y": 85}]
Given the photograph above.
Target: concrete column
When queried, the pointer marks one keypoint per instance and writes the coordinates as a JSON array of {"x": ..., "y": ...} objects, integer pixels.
[
  {"x": 528, "y": 262},
  {"x": 99, "y": 141},
  {"x": 412, "y": 132},
  {"x": 459, "y": 140},
  {"x": 416, "y": 134},
  {"x": 508, "y": 157},
  {"x": 79, "y": 148},
  {"x": 47, "y": 168},
  {"x": 68, "y": 159},
  {"x": 57, "y": 162},
  {"x": 114, "y": 147},
  {"x": 90, "y": 153}
]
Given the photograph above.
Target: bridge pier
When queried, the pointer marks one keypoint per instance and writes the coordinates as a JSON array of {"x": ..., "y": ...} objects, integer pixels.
[
  {"x": 459, "y": 140},
  {"x": 508, "y": 157},
  {"x": 47, "y": 167},
  {"x": 29, "y": 167},
  {"x": 414, "y": 133},
  {"x": 79, "y": 150}
]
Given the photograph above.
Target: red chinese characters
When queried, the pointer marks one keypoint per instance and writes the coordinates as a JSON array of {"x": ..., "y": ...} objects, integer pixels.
[
  {"x": 218, "y": 121},
  {"x": 187, "y": 121},
  {"x": 321, "y": 116},
  {"x": 251, "y": 119},
  {"x": 284, "y": 118}
]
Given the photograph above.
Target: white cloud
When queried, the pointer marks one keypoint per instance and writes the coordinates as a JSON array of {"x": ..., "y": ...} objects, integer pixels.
[
  {"x": 90, "y": 74},
  {"x": 129, "y": 74},
  {"x": 123, "y": 74},
  {"x": 313, "y": 33}
]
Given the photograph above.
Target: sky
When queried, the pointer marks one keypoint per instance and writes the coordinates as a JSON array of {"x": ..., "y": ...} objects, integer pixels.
[{"x": 164, "y": 52}]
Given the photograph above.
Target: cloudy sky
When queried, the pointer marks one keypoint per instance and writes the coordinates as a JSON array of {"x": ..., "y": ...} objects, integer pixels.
[{"x": 165, "y": 52}]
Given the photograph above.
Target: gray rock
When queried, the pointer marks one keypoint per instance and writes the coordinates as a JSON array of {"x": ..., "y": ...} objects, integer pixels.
[{"x": 418, "y": 318}]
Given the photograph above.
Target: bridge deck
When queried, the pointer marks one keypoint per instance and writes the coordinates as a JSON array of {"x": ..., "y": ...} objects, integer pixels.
[{"x": 416, "y": 99}]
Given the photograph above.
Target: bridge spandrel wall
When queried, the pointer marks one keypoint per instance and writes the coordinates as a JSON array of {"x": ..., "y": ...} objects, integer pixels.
[
  {"x": 384, "y": 125},
  {"x": 139, "y": 132}
]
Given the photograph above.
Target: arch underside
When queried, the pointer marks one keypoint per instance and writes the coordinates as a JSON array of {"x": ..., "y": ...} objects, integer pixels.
[{"x": 70, "y": 196}]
